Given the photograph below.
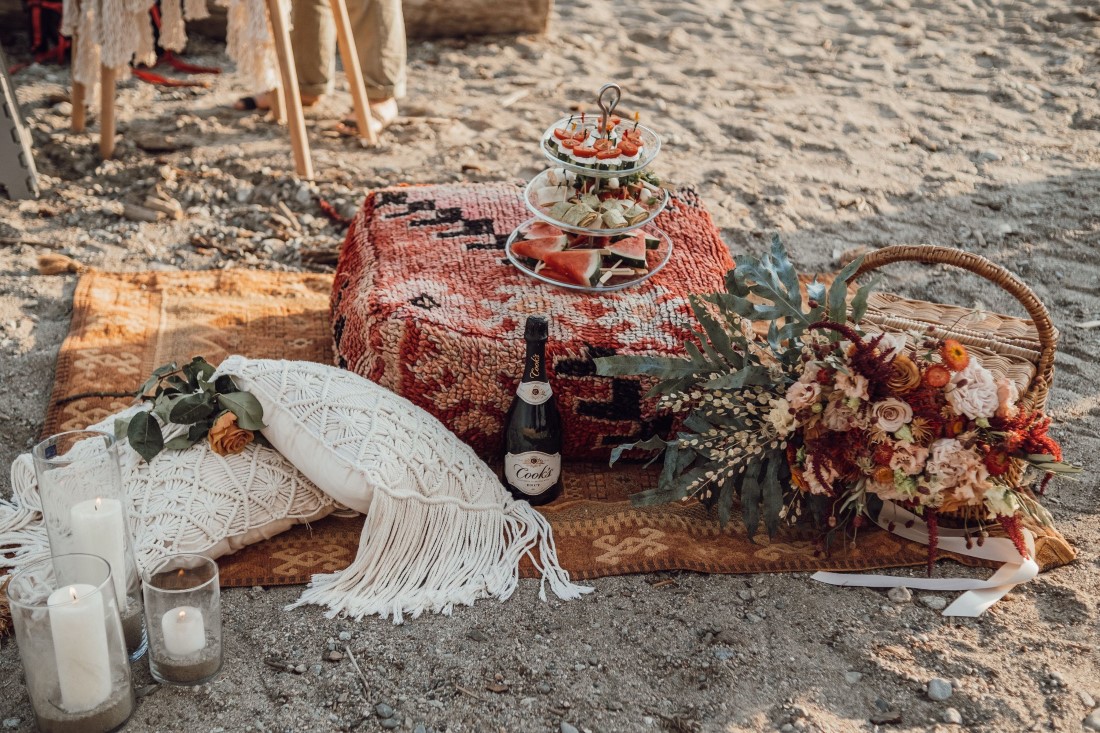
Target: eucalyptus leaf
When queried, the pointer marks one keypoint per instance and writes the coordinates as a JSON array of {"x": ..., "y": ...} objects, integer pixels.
[
  {"x": 654, "y": 443},
  {"x": 816, "y": 290},
  {"x": 859, "y": 302},
  {"x": 632, "y": 364},
  {"x": 717, "y": 335},
  {"x": 249, "y": 411},
  {"x": 697, "y": 423},
  {"x": 750, "y": 375},
  {"x": 158, "y": 374},
  {"x": 725, "y": 503},
  {"x": 772, "y": 492},
  {"x": 683, "y": 486},
  {"x": 224, "y": 385},
  {"x": 144, "y": 435},
  {"x": 838, "y": 292},
  {"x": 121, "y": 425},
  {"x": 750, "y": 502},
  {"x": 192, "y": 408},
  {"x": 182, "y": 442}
]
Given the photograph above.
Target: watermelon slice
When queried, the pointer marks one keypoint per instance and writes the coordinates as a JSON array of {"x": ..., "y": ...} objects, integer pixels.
[
  {"x": 631, "y": 249},
  {"x": 542, "y": 229},
  {"x": 536, "y": 249},
  {"x": 580, "y": 266}
]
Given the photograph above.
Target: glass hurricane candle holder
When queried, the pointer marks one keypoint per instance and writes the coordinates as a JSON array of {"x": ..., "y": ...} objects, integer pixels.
[
  {"x": 84, "y": 508},
  {"x": 184, "y": 618},
  {"x": 69, "y": 632}
]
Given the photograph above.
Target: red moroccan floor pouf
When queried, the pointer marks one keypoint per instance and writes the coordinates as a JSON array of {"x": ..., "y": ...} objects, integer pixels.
[{"x": 425, "y": 303}]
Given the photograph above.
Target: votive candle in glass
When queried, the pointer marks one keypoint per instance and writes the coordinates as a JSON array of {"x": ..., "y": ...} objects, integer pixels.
[
  {"x": 183, "y": 616},
  {"x": 84, "y": 508},
  {"x": 70, "y": 638}
]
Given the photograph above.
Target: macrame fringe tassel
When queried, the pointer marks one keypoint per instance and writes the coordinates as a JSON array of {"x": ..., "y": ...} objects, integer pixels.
[{"x": 420, "y": 555}]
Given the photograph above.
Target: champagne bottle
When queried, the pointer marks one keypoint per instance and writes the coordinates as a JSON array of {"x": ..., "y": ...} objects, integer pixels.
[{"x": 532, "y": 428}]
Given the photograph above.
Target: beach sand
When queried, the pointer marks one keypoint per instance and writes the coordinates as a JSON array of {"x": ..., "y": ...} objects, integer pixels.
[{"x": 840, "y": 125}]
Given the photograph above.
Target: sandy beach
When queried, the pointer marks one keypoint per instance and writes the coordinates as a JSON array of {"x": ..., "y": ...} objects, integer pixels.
[{"x": 841, "y": 125}]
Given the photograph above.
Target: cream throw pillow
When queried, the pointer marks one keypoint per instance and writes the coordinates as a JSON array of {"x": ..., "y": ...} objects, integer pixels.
[
  {"x": 191, "y": 500},
  {"x": 440, "y": 529}
]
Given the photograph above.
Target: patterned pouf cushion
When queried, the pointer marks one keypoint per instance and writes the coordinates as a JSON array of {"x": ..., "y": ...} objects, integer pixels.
[{"x": 426, "y": 303}]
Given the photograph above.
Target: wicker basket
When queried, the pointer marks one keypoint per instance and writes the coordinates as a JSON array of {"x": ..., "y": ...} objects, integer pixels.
[{"x": 1022, "y": 350}]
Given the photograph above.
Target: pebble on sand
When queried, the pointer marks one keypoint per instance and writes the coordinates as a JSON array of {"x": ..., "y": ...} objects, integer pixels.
[
  {"x": 951, "y": 716},
  {"x": 1092, "y": 721},
  {"x": 936, "y": 603},
  {"x": 901, "y": 594},
  {"x": 939, "y": 689}
]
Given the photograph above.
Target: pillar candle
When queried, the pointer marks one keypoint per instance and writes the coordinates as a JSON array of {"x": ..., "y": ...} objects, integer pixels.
[
  {"x": 78, "y": 624},
  {"x": 184, "y": 631},
  {"x": 98, "y": 529}
]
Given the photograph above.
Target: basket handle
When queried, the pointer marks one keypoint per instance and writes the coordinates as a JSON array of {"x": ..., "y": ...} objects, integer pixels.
[{"x": 1017, "y": 288}]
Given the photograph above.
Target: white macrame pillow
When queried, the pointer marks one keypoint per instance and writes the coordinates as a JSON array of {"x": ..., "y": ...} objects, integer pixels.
[
  {"x": 440, "y": 529},
  {"x": 191, "y": 500}
]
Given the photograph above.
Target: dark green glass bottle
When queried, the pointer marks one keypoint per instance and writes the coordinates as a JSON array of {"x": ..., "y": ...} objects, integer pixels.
[{"x": 532, "y": 428}]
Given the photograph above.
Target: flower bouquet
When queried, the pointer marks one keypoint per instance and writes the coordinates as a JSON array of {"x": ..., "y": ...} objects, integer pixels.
[{"x": 788, "y": 407}]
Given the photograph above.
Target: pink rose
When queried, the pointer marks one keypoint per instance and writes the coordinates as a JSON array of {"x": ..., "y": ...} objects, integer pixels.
[
  {"x": 891, "y": 414},
  {"x": 803, "y": 394},
  {"x": 852, "y": 385},
  {"x": 909, "y": 458},
  {"x": 973, "y": 391},
  {"x": 953, "y": 466},
  {"x": 1007, "y": 395},
  {"x": 838, "y": 416}
]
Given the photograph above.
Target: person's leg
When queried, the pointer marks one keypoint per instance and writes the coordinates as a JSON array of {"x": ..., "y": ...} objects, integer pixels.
[
  {"x": 379, "y": 29},
  {"x": 313, "y": 38}
]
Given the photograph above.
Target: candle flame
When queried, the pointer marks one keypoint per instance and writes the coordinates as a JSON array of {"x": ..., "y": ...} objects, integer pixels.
[
  {"x": 72, "y": 592},
  {"x": 183, "y": 616},
  {"x": 637, "y": 116},
  {"x": 98, "y": 501},
  {"x": 180, "y": 574}
]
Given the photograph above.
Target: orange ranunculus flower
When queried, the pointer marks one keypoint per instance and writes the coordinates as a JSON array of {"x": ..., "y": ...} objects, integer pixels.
[
  {"x": 884, "y": 475},
  {"x": 226, "y": 438},
  {"x": 937, "y": 376},
  {"x": 997, "y": 463},
  {"x": 905, "y": 376},
  {"x": 954, "y": 427},
  {"x": 954, "y": 355}
]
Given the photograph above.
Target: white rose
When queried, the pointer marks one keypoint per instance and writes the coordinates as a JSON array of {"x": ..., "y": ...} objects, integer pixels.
[
  {"x": 1001, "y": 502},
  {"x": 973, "y": 391},
  {"x": 891, "y": 414},
  {"x": 780, "y": 417}
]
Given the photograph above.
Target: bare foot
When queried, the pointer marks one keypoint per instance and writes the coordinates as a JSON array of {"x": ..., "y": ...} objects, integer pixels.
[
  {"x": 382, "y": 113},
  {"x": 265, "y": 100}
]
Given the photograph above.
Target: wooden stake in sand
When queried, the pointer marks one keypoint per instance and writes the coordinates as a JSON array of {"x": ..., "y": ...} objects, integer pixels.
[
  {"x": 303, "y": 164},
  {"x": 350, "y": 59},
  {"x": 106, "y": 112}
]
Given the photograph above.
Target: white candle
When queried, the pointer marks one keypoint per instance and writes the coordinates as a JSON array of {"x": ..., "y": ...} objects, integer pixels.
[
  {"x": 184, "y": 631},
  {"x": 98, "y": 529},
  {"x": 79, "y": 628}
]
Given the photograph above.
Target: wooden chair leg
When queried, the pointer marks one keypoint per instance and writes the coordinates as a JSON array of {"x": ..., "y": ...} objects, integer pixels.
[
  {"x": 106, "y": 112},
  {"x": 303, "y": 164},
  {"x": 76, "y": 96},
  {"x": 278, "y": 107},
  {"x": 349, "y": 56}
]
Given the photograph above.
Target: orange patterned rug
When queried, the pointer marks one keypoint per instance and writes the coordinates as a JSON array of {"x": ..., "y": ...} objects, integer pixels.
[{"x": 125, "y": 325}]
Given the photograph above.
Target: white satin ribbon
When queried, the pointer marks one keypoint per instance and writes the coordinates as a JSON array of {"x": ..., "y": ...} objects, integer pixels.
[{"x": 980, "y": 594}]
